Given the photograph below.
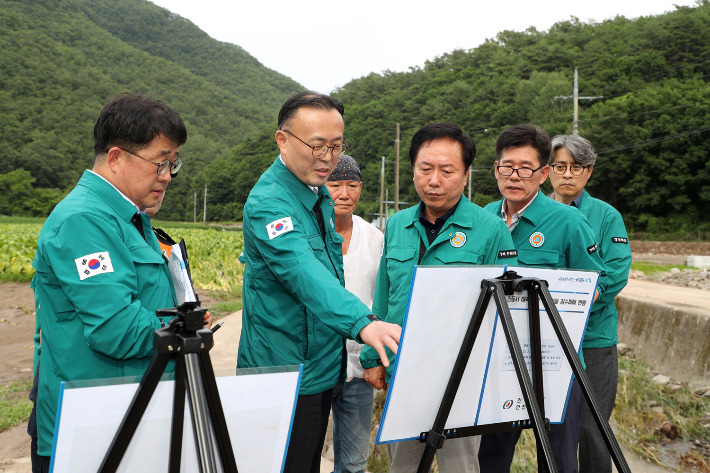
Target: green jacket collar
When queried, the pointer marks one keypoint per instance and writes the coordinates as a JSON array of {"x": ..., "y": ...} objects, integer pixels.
[
  {"x": 462, "y": 217},
  {"x": 585, "y": 199},
  {"x": 108, "y": 194},
  {"x": 537, "y": 208},
  {"x": 302, "y": 192}
]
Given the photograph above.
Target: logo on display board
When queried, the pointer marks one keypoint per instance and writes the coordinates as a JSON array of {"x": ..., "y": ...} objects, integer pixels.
[
  {"x": 537, "y": 239},
  {"x": 458, "y": 240},
  {"x": 508, "y": 404}
]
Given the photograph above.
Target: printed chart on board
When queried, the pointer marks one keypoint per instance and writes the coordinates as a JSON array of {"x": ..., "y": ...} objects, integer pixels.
[{"x": 441, "y": 303}]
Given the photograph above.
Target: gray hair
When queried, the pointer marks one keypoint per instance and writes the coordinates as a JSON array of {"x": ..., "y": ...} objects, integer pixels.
[{"x": 580, "y": 148}]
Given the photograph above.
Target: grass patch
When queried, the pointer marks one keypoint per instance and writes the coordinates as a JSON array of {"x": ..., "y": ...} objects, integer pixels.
[
  {"x": 167, "y": 224},
  {"x": 649, "y": 268},
  {"x": 39, "y": 220},
  {"x": 221, "y": 309},
  {"x": 638, "y": 424},
  {"x": 10, "y": 277},
  {"x": 15, "y": 407}
]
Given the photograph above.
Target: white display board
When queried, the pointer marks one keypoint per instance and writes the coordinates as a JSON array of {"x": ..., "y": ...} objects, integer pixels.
[
  {"x": 441, "y": 303},
  {"x": 258, "y": 406}
]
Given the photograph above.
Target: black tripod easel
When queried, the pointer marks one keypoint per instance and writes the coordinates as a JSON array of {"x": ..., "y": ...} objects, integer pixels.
[
  {"x": 533, "y": 392},
  {"x": 185, "y": 341}
]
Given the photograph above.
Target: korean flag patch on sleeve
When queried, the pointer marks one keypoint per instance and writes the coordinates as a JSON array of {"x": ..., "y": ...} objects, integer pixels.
[
  {"x": 93, "y": 264},
  {"x": 279, "y": 227}
]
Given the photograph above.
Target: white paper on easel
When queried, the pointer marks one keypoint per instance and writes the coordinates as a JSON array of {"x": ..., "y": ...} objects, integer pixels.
[
  {"x": 258, "y": 406},
  {"x": 572, "y": 293},
  {"x": 442, "y": 301}
]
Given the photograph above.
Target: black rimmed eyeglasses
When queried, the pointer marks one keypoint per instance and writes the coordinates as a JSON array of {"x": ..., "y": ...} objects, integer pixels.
[
  {"x": 319, "y": 151},
  {"x": 523, "y": 173},
  {"x": 163, "y": 165}
]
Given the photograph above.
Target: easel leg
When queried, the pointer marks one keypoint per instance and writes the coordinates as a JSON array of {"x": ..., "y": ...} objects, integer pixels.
[
  {"x": 454, "y": 382},
  {"x": 135, "y": 411},
  {"x": 178, "y": 416},
  {"x": 219, "y": 423},
  {"x": 568, "y": 348},
  {"x": 523, "y": 377},
  {"x": 200, "y": 419},
  {"x": 536, "y": 362}
]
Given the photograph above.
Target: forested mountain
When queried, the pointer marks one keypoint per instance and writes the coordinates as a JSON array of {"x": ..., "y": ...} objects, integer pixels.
[
  {"x": 651, "y": 126},
  {"x": 62, "y": 60}
]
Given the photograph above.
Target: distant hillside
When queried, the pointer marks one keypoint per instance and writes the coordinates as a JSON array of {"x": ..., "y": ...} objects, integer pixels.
[
  {"x": 164, "y": 34},
  {"x": 651, "y": 126},
  {"x": 61, "y": 60}
]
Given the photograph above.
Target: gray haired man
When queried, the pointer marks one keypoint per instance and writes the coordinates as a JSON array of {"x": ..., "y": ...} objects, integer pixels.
[{"x": 572, "y": 162}]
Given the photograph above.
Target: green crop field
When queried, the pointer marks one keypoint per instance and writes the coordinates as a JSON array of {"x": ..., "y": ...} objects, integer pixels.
[{"x": 213, "y": 255}]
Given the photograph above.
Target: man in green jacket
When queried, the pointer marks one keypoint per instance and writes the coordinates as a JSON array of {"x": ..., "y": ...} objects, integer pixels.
[
  {"x": 546, "y": 235},
  {"x": 445, "y": 228},
  {"x": 296, "y": 308},
  {"x": 100, "y": 275},
  {"x": 572, "y": 164}
]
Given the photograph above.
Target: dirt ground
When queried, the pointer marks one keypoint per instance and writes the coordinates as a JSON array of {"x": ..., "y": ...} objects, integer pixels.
[{"x": 671, "y": 248}]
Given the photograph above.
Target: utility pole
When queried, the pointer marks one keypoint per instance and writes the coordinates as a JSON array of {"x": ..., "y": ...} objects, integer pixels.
[
  {"x": 194, "y": 207},
  {"x": 387, "y": 213},
  {"x": 575, "y": 92},
  {"x": 204, "y": 209},
  {"x": 396, "y": 175},
  {"x": 575, "y": 96},
  {"x": 382, "y": 193}
]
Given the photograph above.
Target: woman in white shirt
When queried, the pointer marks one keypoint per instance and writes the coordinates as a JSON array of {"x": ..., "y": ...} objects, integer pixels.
[{"x": 362, "y": 248}]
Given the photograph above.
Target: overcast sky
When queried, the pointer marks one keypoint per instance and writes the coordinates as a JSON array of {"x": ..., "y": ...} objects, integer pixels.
[{"x": 325, "y": 44}]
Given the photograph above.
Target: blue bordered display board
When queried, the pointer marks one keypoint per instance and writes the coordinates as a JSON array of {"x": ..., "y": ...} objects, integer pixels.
[
  {"x": 441, "y": 302},
  {"x": 258, "y": 404}
]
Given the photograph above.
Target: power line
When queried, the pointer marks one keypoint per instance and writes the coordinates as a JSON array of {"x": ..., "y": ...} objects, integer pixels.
[{"x": 655, "y": 140}]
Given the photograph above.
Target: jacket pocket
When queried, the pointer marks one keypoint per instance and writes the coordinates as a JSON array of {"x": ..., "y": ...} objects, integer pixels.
[
  {"x": 63, "y": 309},
  {"x": 147, "y": 263},
  {"x": 538, "y": 258},
  {"x": 459, "y": 257}
]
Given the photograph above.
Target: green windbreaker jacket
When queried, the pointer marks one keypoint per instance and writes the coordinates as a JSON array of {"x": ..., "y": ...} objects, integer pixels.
[{"x": 296, "y": 308}]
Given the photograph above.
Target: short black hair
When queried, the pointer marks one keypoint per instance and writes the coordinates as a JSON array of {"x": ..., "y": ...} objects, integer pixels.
[
  {"x": 525, "y": 135},
  {"x": 436, "y": 131},
  {"x": 132, "y": 121},
  {"x": 308, "y": 99}
]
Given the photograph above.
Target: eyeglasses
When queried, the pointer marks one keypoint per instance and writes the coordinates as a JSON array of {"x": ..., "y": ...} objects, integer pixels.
[
  {"x": 320, "y": 151},
  {"x": 575, "y": 169},
  {"x": 523, "y": 173},
  {"x": 163, "y": 165}
]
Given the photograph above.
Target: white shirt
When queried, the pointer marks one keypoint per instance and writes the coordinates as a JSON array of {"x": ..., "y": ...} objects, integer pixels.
[
  {"x": 360, "y": 266},
  {"x": 516, "y": 216}
]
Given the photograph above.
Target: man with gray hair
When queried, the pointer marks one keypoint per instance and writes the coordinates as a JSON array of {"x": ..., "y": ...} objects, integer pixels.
[{"x": 572, "y": 163}]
